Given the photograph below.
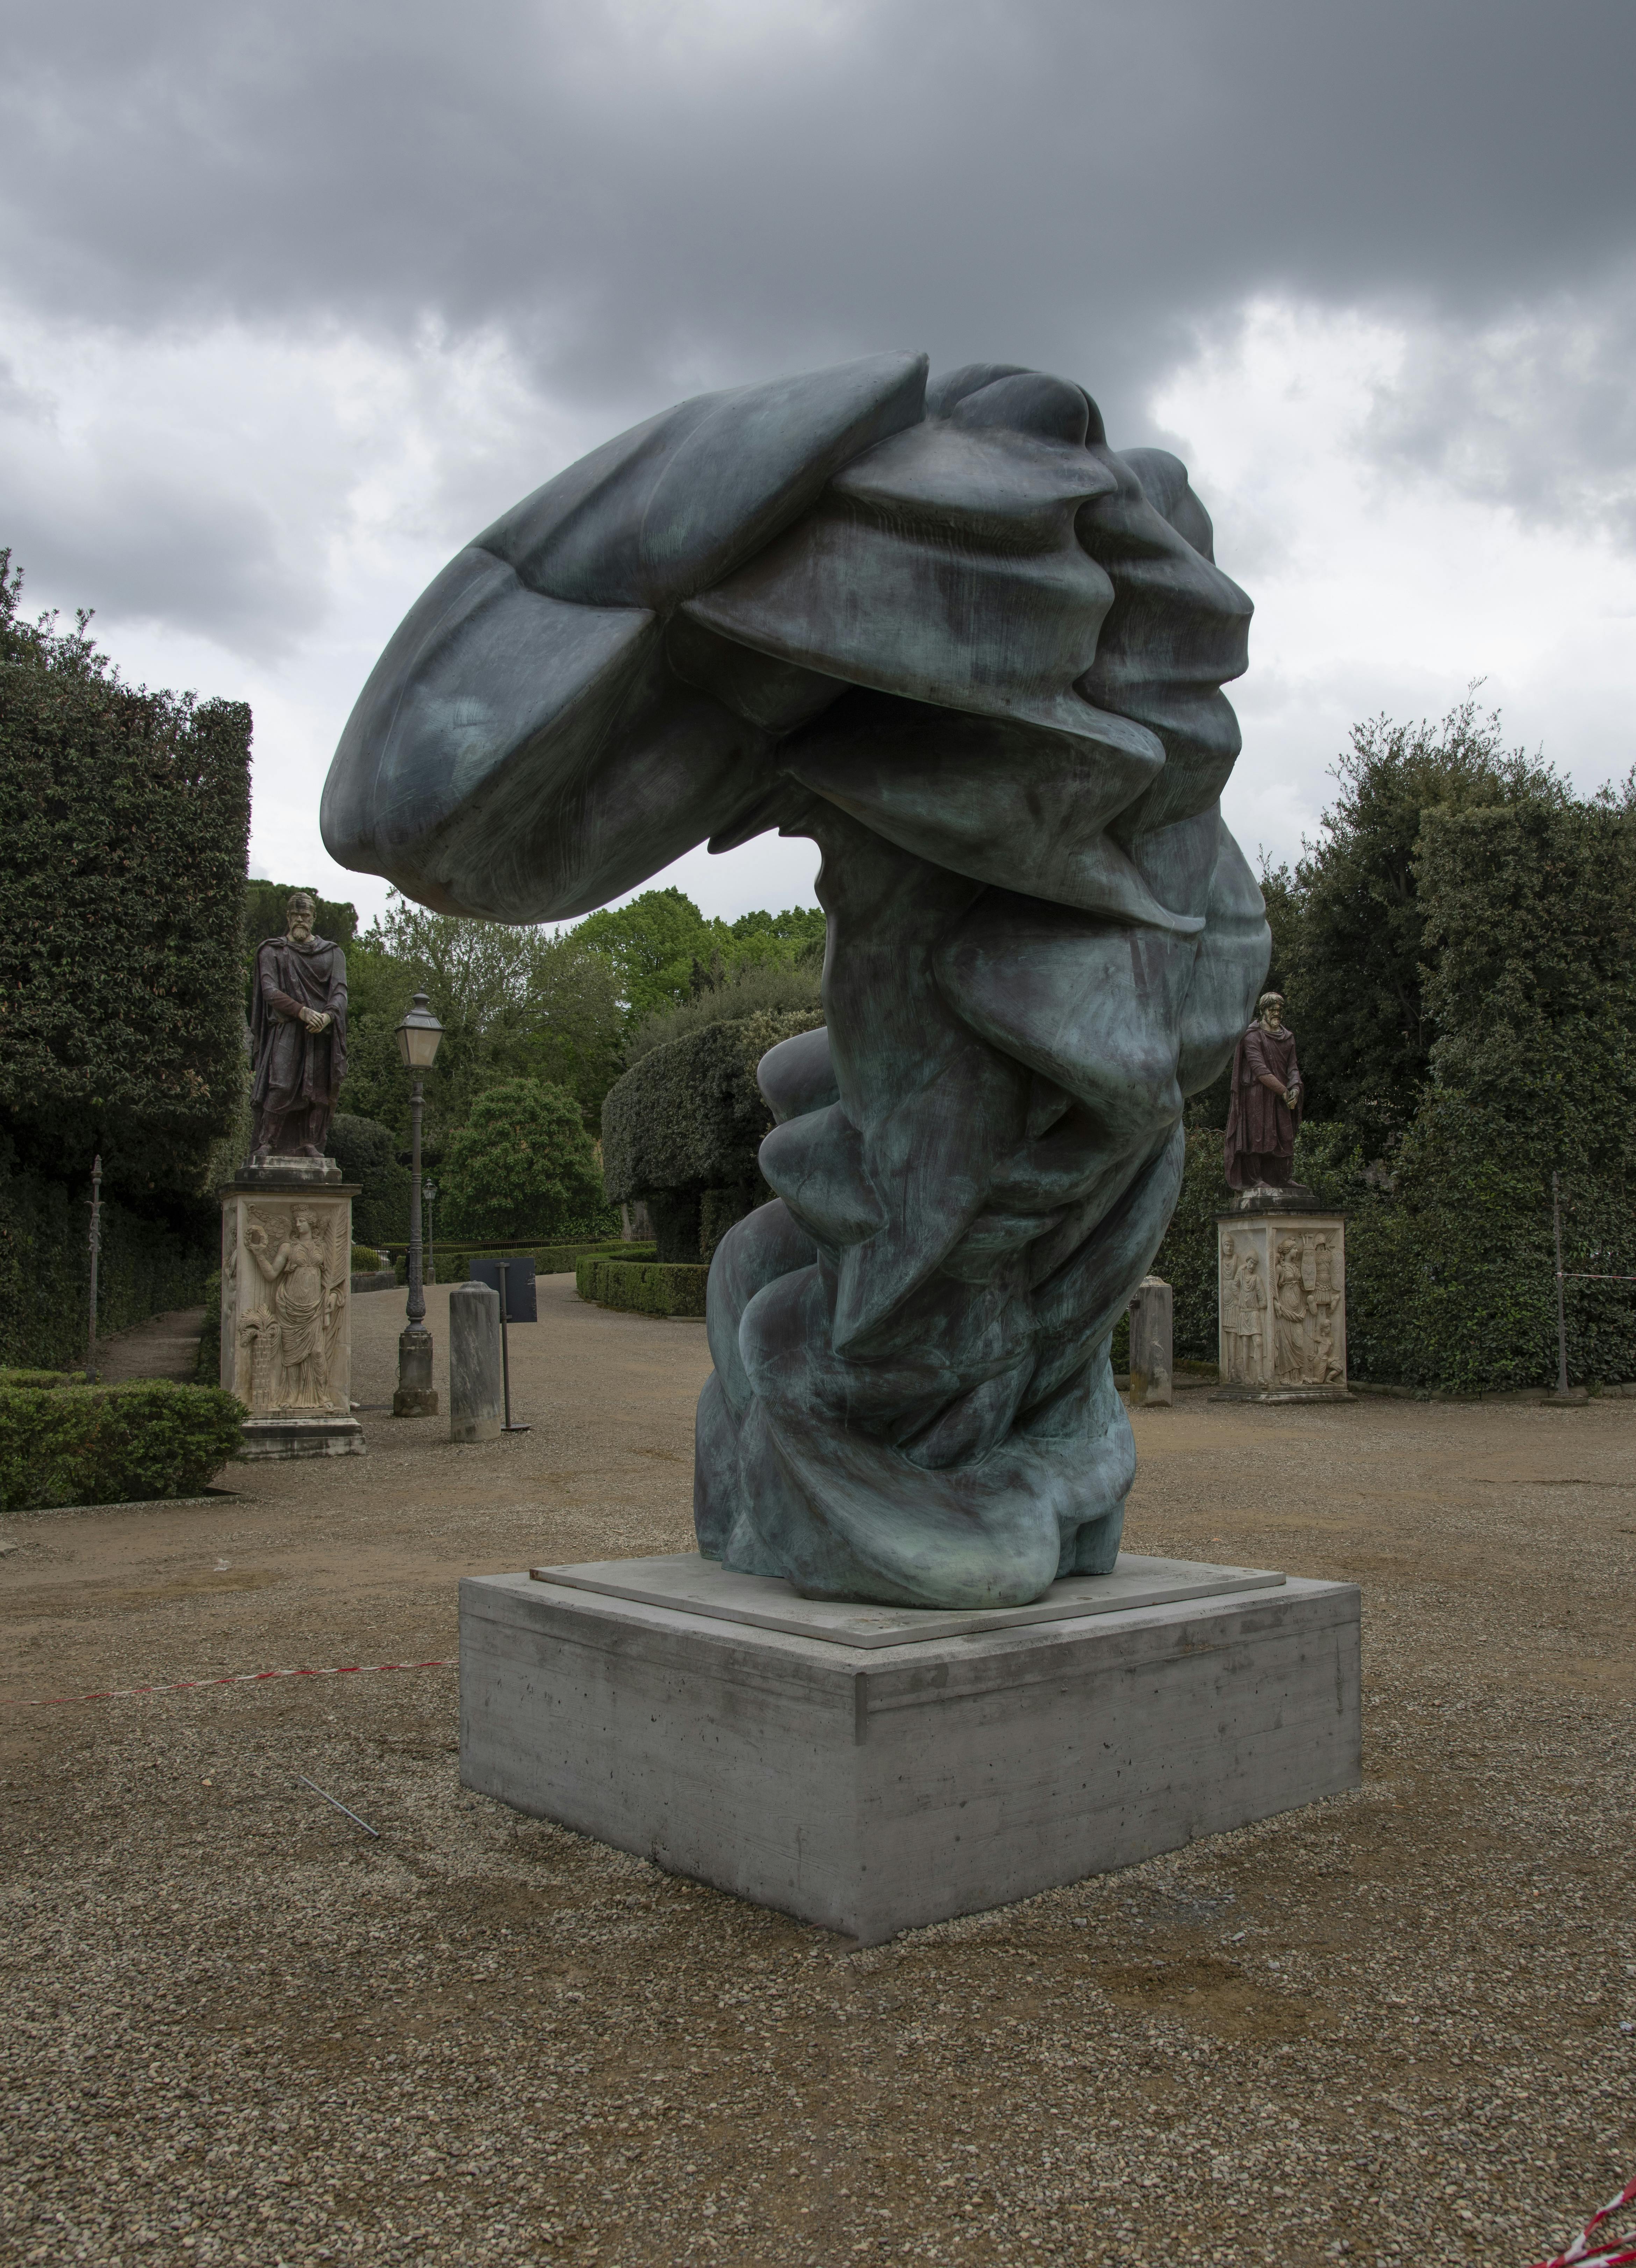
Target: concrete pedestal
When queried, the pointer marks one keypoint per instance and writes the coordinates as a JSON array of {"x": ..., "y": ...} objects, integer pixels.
[
  {"x": 871, "y": 1769},
  {"x": 286, "y": 1344},
  {"x": 1282, "y": 1295}
]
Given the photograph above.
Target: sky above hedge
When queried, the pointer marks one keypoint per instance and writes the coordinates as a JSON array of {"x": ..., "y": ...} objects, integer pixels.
[{"x": 296, "y": 297}]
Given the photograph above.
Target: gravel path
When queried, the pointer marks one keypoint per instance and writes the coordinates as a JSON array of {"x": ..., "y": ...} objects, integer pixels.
[{"x": 238, "y": 2028}]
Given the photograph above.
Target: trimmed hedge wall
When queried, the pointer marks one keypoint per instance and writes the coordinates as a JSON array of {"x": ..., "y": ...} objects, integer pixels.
[
  {"x": 643, "y": 1287},
  {"x": 145, "y": 1268},
  {"x": 681, "y": 1129},
  {"x": 125, "y": 816},
  {"x": 69, "y": 1444},
  {"x": 367, "y": 1152}
]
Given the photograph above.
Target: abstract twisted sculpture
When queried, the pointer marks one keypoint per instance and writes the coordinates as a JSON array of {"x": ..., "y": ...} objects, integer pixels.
[{"x": 945, "y": 631}]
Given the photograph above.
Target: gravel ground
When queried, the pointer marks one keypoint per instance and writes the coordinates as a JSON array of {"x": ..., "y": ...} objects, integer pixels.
[{"x": 1388, "y": 2027}]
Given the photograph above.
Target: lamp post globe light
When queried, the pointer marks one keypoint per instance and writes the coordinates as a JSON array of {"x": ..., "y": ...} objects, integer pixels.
[{"x": 416, "y": 1397}]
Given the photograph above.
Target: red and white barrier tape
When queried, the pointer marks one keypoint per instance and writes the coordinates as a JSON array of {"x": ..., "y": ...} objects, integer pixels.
[
  {"x": 1612, "y": 2252},
  {"x": 243, "y": 1677}
]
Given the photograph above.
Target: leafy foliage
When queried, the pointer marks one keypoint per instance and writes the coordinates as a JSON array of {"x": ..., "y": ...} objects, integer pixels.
[
  {"x": 114, "y": 1444},
  {"x": 1351, "y": 924},
  {"x": 125, "y": 817},
  {"x": 521, "y": 1166},
  {"x": 1531, "y": 984},
  {"x": 757, "y": 988},
  {"x": 513, "y": 1003},
  {"x": 664, "y": 952},
  {"x": 367, "y": 1152},
  {"x": 681, "y": 1129}
]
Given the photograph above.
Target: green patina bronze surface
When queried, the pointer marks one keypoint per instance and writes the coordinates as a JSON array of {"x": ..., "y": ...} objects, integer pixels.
[{"x": 974, "y": 653}]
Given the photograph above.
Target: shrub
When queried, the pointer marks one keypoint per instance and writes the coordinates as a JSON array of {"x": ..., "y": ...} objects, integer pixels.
[
  {"x": 651, "y": 1287},
  {"x": 681, "y": 1129},
  {"x": 522, "y": 1164},
  {"x": 549, "y": 1259},
  {"x": 114, "y": 1444}
]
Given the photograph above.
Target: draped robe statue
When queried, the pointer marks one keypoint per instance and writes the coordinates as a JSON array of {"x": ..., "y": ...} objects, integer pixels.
[
  {"x": 942, "y": 628},
  {"x": 1264, "y": 1109},
  {"x": 297, "y": 1037}
]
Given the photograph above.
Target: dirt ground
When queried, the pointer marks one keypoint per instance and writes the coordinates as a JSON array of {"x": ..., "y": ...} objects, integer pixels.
[{"x": 1394, "y": 2027}]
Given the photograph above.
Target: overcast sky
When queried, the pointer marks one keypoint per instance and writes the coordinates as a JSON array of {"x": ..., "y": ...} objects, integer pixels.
[{"x": 296, "y": 297}]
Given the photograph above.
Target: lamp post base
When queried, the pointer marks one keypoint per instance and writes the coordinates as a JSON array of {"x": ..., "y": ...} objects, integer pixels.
[{"x": 416, "y": 1397}]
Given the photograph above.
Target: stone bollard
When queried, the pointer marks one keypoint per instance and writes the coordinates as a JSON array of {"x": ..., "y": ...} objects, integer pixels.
[
  {"x": 1149, "y": 1343},
  {"x": 473, "y": 1363}
]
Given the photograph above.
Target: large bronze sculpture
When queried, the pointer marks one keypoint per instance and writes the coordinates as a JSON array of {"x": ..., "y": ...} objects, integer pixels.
[{"x": 947, "y": 632}]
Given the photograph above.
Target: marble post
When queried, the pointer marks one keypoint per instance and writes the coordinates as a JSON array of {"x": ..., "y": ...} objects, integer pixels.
[
  {"x": 1282, "y": 1292},
  {"x": 286, "y": 1346},
  {"x": 473, "y": 1363},
  {"x": 1151, "y": 1343}
]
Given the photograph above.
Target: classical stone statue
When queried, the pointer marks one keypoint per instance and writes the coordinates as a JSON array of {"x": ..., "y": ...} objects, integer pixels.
[
  {"x": 1264, "y": 1109},
  {"x": 298, "y": 1035},
  {"x": 946, "y": 630}
]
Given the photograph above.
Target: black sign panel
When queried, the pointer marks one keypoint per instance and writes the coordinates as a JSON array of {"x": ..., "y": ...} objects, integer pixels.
[{"x": 520, "y": 1303}]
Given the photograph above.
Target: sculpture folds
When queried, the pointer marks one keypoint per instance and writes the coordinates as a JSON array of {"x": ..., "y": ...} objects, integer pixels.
[{"x": 944, "y": 629}]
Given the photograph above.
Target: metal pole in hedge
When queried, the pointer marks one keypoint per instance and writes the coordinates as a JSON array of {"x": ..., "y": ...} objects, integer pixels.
[
  {"x": 96, "y": 1246},
  {"x": 1562, "y": 1320}
]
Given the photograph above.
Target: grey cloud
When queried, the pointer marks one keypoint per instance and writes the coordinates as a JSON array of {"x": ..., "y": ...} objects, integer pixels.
[
  {"x": 145, "y": 549},
  {"x": 1068, "y": 185},
  {"x": 1537, "y": 410}
]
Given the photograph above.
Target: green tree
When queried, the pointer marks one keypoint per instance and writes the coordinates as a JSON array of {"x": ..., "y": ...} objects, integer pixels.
[
  {"x": 654, "y": 943},
  {"x": 573, "y": 1024},
  {"x": 522, "y": 1166},
  {"x": 1357, "y": 945}
]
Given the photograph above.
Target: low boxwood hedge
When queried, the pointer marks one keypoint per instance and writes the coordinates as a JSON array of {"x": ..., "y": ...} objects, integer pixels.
[
  {"x": 74, "y": 1444},
  {"x": 454, "y": 1260},
  {"x": 643, "y": 1287}
]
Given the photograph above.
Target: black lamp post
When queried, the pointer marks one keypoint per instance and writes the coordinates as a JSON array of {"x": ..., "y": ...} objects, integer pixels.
[{"x": 416, "y": 1397}]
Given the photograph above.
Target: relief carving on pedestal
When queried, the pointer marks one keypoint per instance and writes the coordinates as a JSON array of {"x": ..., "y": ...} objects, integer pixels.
[
  {"x": 1244, "y": 1308},
  {"x": 1307, "y": 1297},
  {"x": 292, "y": 1339}
]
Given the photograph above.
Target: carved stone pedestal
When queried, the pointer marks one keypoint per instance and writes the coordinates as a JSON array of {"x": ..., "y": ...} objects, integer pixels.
[
  {"x": 1282, "y": 1290},
  {"x": 286, "y": 1310}
]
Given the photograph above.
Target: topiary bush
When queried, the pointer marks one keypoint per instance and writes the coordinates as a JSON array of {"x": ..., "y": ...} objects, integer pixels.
[
  {"x": 68, "y": 1444},
  {"x": 654, "y": 1288},
  {"x": 681, "y": 1129},
  {"x": 522, "y": 1166}
]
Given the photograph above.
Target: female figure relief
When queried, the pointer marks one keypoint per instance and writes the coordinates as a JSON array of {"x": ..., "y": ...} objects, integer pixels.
[
  {"x": 306, "y": 1295},
  {"x": 1290, "y": 1312}
]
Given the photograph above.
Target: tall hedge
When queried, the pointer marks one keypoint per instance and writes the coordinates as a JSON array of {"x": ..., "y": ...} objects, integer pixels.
[
  {"x": 124, "y": 817},
  {"x": 1531, "y": 919},
  {"x": 146, "y": 1267},
  {"x": 681, "y": 1130}
]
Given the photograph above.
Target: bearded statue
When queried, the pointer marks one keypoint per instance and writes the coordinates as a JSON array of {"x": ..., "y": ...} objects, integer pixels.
[{"x": 946, "y": 631}]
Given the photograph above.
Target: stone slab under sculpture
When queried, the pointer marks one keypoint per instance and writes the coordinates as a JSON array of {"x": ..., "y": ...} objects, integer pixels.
[{"x": 944, "y": 629}]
